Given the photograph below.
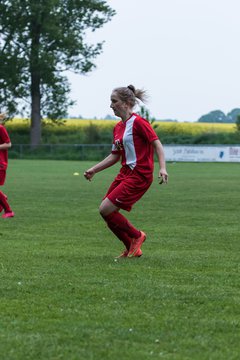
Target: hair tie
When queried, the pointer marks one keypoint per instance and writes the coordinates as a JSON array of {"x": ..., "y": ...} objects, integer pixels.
[{"x": 131, "y": 87}]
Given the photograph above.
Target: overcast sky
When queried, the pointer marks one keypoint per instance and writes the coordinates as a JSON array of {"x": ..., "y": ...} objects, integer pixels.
[{"x": 185, "y": 53}]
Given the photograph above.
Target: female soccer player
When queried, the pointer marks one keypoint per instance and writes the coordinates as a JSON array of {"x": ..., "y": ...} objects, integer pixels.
[
  {"x": 5, "y": 144},
  {"x": 134, "y": 142}
]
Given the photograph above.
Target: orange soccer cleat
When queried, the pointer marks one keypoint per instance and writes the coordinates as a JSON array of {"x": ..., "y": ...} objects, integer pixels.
[
  {"x": 136, "y": 245},
  {"x": 8, "y": 215}
]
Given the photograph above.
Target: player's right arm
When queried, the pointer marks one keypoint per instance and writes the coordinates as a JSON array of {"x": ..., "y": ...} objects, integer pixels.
[{"x": 104, "y": 164}]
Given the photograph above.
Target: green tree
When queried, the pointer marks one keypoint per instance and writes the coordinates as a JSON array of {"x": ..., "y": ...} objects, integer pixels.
[
  {"x": 145, "y": 113},
  {"x": 233, "y": 114},
  {"x": 40, "y": 40},
  {"x": 216, "y": 116},
  {"x": 238, "y": 123}
]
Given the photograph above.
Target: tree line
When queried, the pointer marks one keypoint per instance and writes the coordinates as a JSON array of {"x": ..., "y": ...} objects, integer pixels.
[
  {"x": 218, "y": 116},
  {"x": 40, "y": 40}
]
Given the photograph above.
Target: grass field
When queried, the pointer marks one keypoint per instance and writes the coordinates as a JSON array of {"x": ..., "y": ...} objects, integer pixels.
[{"x": 64, "y": 297}]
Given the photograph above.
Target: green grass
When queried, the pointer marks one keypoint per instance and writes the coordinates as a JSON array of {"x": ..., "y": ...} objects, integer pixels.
[{"x": 64, "y": 297}]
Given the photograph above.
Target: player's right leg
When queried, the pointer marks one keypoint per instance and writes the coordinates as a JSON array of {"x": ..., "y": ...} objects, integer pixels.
[{"x": 4, "y": 205}]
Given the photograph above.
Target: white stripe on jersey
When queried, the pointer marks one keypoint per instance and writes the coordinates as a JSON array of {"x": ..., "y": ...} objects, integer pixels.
[{"x": 128, "y": 144}]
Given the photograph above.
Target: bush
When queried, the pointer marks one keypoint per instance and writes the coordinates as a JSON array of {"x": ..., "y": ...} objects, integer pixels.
[
  {"x": 62, "y": 141},
  {"x": 238, "y": 123}
]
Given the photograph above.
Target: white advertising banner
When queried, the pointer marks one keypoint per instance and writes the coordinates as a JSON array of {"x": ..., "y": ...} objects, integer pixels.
[{"x": 218, "y": 153}]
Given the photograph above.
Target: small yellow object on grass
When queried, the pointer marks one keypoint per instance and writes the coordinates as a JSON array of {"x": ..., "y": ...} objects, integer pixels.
[{"x": 76, "y": 173}]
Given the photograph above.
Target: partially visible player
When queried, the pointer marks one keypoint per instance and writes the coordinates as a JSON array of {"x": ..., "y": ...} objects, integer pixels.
[
  {"x": 134, "y": 142},
  {"x": 5, "y": 144}
]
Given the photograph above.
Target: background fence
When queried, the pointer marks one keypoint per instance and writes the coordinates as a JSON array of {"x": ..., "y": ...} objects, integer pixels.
[
  {"x": 191, "y": 153},
  {"x": 60, "y": 151}
]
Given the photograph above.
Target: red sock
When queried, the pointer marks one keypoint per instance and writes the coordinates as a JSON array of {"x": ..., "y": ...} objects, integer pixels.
[
  {"x": 4, "y": 203},
  {"x": 122, "y": 235},
  {"x": 117, "y": 221}
]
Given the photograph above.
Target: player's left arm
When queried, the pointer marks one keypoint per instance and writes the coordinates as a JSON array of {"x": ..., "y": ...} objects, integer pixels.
[
  {"x": 163, "y": 175},
  {"x": 110, "y": 160},
  {"x": 149, "y": 134}
]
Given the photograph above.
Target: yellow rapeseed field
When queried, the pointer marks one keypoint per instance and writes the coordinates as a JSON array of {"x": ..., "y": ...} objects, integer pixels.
[{"x": 193, "y": 128}]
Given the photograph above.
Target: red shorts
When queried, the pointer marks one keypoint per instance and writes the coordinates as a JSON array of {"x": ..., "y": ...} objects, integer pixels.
[
  {"x": 127, "y": 188},
  {"x": 2, "y": 177}
]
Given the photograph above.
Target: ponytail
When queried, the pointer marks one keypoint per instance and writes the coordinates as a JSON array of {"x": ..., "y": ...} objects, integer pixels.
[{"x": 131, "y": 95}]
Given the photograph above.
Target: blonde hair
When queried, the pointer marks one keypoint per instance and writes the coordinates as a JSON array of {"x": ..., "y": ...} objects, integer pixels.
[{"x": 130, "y": 95}]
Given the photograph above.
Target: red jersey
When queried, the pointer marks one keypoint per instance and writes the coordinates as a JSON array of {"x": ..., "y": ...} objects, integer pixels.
[
  {"x": 132, "y": 139},
  {"x": 4, "y": 138}
]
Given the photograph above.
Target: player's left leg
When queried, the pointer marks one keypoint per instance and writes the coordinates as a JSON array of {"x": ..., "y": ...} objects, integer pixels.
[
  {"x": 120, "y": 226},
  {"x": 106, "y": 209},
  {"x": 124, "y": 194},
  {"x": 115, "y": 220}
]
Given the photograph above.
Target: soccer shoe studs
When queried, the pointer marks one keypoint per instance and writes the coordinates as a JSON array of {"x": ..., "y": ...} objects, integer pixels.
[{"x": 124, "y": 254}]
